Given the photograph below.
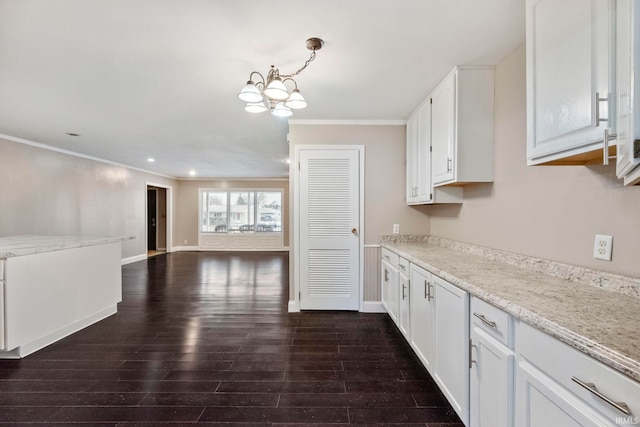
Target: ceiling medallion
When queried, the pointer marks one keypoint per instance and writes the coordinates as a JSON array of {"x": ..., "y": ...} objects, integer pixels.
[{"x": 272, "y": 94}]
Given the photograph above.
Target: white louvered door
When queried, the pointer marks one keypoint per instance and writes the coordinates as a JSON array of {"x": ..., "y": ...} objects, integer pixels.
[{"x": 329, "y": 203}]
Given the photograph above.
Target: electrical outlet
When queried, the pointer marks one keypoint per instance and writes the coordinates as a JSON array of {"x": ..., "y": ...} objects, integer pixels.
[
  {"x": 396, "y": 228},
  {"x": 602, "y": 247}
]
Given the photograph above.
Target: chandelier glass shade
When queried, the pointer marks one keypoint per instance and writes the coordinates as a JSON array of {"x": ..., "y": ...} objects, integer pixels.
[{"x": 272, "y": 93}]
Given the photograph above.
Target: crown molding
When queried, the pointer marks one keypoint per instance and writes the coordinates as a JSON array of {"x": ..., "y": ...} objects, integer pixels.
[{"x": 349, "y": 122}]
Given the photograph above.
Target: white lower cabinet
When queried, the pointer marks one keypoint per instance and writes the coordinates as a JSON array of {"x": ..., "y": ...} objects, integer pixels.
[
  {"x": 496, "y": 371},
  {"x": 492, "y": 367},
  {"x": 404, "y": 298},
  {"x": 558, "y": 385},
  {"x": 390, "y": 289},
  {"x": 439, "y": 325},
  {"x": 452, "y": 344},
  {"x": 542, "y": 403},
  {"x": 422, "y": 312}
]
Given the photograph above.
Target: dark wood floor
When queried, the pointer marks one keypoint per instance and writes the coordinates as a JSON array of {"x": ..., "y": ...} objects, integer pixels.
[{"x": 205, "y": 337}]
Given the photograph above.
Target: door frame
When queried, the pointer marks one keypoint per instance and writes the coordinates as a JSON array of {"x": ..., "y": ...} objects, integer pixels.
[
  {"x": 294, "y": 305},
  {"x": 168, "y": 210},
  {"x": 155, "y": 239}
]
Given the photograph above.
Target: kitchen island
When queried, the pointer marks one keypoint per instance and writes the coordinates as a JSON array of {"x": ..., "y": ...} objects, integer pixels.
[{"x": 53, "y": 286}]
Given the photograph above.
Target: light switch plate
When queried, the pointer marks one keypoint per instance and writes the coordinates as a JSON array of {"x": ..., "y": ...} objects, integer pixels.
[
  {"x": 396, "y": 228},
  {"x": 602, "y": 247}
]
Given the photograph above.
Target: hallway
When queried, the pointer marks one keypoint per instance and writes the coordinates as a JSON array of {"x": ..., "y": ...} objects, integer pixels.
[{"x": 205, "y": 337}]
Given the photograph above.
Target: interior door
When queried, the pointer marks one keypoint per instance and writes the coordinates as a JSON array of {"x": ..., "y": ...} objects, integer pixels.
[
  {"x": 329, "y": 212},
  {"x": 152, "y": 226}
]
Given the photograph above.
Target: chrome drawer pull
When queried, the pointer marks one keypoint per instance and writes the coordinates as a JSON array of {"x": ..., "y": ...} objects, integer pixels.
[
  {"x": 620, "y": 406},
  {"x": 485, "y": 320},
  {"x": 403, "y": 267}
]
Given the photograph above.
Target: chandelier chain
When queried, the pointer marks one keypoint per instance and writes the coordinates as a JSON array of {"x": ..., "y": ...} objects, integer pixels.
[{"x": 307, "y": 62}]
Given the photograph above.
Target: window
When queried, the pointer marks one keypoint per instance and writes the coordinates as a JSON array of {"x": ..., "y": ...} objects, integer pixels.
[
  {"x": 214, "y": 211},
  {"x": 241, "y": 211}
]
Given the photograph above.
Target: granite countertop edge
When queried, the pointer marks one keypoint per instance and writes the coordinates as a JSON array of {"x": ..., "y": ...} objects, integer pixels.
[
  {"x": 619, "y": 362},
  {"x": 15, "y": 246}
]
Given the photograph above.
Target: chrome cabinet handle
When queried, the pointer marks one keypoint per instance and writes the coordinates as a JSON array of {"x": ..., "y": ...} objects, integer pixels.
[
  {"x": 387, "y": 257},
  {"x": 597, "y": 109},
  {"x": 608, "y": 136},
  {"x": 485, "y": 320},
  {"x": 620, "y": 406},
  {"x": 403, "y": 294},
  {"x": 426, "y": 295},
  {"x": 429, "y": 296},
  {"x": 471, "y": 347},
  {"x": 403, "y": 267},
  {"x": 449, "y": 162},
  {"x": 605, "y": 148},
  {"x": 386, "y": 275}
]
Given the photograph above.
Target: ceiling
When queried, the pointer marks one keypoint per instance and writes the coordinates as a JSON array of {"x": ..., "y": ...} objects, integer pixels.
[{"x": 159, "y": 78}]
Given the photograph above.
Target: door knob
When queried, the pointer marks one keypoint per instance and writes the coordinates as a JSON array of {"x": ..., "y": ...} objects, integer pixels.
[{"x": 354, "y": 231}]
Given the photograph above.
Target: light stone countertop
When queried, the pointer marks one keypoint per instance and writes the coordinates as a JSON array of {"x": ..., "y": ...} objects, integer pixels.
[
  {"x": 28, "y": 245},
  {"x": 601, "y": 323}
]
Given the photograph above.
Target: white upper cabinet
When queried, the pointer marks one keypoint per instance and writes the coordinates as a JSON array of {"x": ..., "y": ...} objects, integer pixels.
[
  {"x": 628, "y": 90},
  {"x": 418, "y": 157},
  {"x": 570, "y": 82},
  {"x": 450, "y": 137},
  {"x": 419, "y": 181},
  {"x": 462, "y": 127}
]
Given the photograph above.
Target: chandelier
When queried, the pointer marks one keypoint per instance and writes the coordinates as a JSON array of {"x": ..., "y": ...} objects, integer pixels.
[{"x": 272, "y": 94}]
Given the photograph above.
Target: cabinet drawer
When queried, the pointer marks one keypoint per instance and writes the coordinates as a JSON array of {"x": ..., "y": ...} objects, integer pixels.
[
  {"x": 493, "y": 321},
  {"x": 403, "y": 266},
  {"x": 568, "y": 366},
  {"x": 390, "y": 257}
]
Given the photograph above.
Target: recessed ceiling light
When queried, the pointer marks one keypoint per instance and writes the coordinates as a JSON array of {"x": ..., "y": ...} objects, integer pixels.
[
  {"x": 151, "y": 159},
  {"x": 73, "y": 134},
  {"x": 192, "y": 173}
]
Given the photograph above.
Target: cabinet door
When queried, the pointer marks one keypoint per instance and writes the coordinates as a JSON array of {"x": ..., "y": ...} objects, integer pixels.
[
  {"x": 443, "y": 106},
  {"x": 404, "y": 304},
  {"x": 422, "y": 316},
  {"x": 544, "y": 403},
  {"x": 569, "y": 55},
  {"x": 413, "y": 155},
  {"x": 390, "y": 289},
  {"x": 491, "y": 382},
  {"x": 452, "y": 344},
  {"x": 419, "y": 189},
  {"x": 628, "y": 88},
  {"x": 423, "y": 175}
]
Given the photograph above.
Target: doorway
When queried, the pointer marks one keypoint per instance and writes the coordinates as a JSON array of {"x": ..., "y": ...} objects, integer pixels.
[{"x": 157, "y": 203}]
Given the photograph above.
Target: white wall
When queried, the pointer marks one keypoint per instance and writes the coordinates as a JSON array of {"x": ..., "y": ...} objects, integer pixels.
[
  {"x": 550, "y": 212},
  {"x": 46, "y": 192}
]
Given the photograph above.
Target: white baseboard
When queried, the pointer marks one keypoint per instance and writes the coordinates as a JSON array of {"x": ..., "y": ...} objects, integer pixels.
[
  {"x": 373, "y": 307},
  {"x": 50, "y": 338},
  {"x": 141, "y": 257},
  {"x": 185, "y": 248},
  {"x": 294, "y": 307}
]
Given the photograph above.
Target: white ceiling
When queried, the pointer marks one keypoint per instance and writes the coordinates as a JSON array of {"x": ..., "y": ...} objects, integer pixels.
[{"x": 159, "y": 78}]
